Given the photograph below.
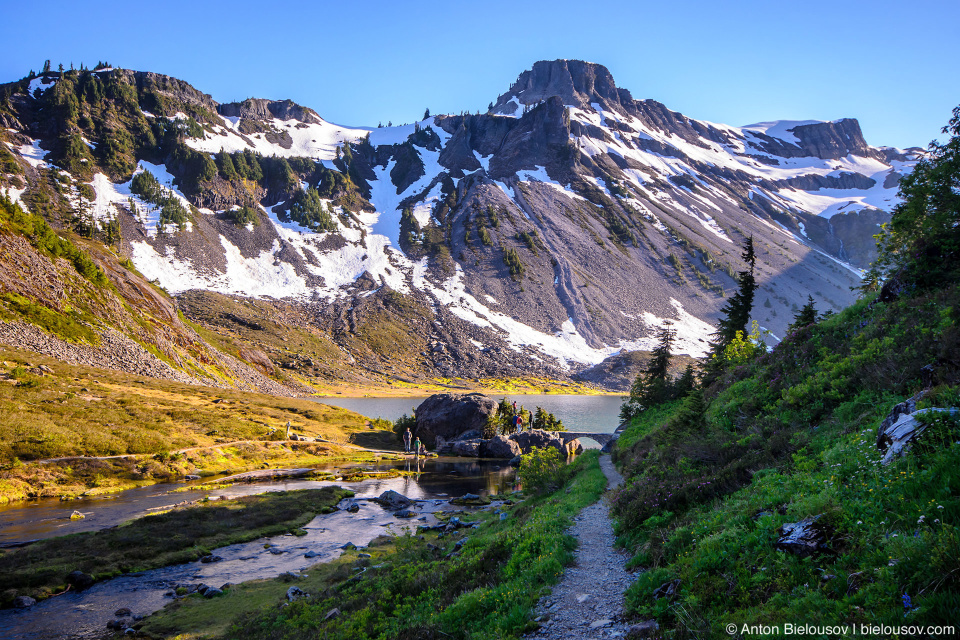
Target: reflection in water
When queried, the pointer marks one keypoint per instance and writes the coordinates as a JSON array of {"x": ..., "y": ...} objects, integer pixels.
[
  {"x": 589, "y": 414},
  {"x": 85, "y": 614},
  {"x": 432, "y": 477}
]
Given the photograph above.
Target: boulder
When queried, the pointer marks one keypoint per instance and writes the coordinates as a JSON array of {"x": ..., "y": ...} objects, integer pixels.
[
  {"x": 803, "y": 538},
  {"x": 901, "y": 428},
  {"x": 212, "y": 591},
  {"x": 80, "y": 580},
  {"x": 207, "y": 559},
  {"x": 468, "y": 448},
  {"x": 450, "y": 414},
  {"x": 392, "y": 500},
  {"x": 667, "y": 590},
  {"x": 22, "y": 602},
  {"x": 333, "y": 613},
  {"x": 499, "y": 447},
  {"x": 294, "y": 593},
  {"x": 119, "y": 613},
  {"x": 404, "y": 513},
  {"x": 565, "y": 445}
]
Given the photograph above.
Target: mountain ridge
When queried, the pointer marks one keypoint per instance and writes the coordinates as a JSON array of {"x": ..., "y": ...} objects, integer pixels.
[{"x": 533, "y": 226}]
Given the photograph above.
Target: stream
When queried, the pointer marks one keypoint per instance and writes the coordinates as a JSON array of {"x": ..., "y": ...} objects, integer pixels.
[
  {"x": 435, "y": 480},
  {"x": 85, "y": 614}
]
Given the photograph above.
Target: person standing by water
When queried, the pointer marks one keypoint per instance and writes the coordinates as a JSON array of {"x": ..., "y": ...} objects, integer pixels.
[
  {"x": 518, "y": 420},
  {"x": 416, "y": 447},
  {"x": 406, "y": 440}
]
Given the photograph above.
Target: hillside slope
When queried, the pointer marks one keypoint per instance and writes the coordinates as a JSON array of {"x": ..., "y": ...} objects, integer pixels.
[{"x": 816, "y": 483}]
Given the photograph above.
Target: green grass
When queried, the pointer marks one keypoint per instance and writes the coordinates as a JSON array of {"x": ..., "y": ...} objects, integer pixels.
[
  {"x": 488, "y": 590},
  {"x": 84, "y": 411},
  {"x": 181, "y": 535},
  {"x": 789, "y": 435}
]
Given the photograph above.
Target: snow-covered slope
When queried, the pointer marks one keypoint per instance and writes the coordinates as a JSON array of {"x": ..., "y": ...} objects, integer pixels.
[{"x": 565, "y": 225}]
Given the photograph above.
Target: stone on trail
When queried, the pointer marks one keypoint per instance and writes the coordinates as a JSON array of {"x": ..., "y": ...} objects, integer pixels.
[
  {"x": 349, "y": 546},
  {"x": 405, "y": 513},
  {"x": 212, "y": 591},
  {"x": 22, "y": 602},
  {"x": 312, "y": 554},
  {"x": 122, "y": 612}
]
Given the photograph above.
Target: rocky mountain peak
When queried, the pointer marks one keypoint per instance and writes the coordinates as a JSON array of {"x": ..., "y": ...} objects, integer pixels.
[{"x": 576, "y": 82}]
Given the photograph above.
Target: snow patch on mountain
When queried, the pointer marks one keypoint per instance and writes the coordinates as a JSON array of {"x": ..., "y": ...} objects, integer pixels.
[
  {"x": 780, "y": 129},
  {"x": 313, "y": 140}
]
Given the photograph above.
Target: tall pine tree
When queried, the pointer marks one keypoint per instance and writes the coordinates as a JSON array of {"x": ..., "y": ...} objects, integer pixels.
[{"x": 736, "y": 315}]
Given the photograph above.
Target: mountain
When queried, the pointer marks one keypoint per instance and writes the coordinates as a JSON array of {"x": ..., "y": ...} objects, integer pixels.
[{"x": 560, "y": 228}]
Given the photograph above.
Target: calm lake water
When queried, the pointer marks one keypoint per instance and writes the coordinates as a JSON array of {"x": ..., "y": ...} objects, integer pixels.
[{"x": 591, "y": 414}]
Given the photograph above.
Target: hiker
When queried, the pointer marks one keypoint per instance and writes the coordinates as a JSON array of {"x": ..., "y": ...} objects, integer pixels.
[
  {"x": 519, "y": 423},
  {"x": 423, "y": 450},
  {"x": 406, "y": 440},
  {"x": 416, "y": 446}
]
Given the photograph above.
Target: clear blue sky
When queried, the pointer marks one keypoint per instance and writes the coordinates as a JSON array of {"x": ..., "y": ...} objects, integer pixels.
[{"x": 892, "y": 65}]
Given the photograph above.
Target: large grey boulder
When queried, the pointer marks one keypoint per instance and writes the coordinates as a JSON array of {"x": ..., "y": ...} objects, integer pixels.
[
  {"x": 542, "y": 439},
  {"x": 499, "y": 447},
  {"x": 447, "y": 415}
]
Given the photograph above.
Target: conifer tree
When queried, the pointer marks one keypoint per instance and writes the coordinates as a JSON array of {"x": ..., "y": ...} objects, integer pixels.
[
  {"x": 736, "y": 315},
  {"x": 806, "y": 316},
  {"x": 652, "y": 386}
]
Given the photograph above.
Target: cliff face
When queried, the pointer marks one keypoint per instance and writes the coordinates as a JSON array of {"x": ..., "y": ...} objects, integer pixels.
[{"x": 563, "y": 226}]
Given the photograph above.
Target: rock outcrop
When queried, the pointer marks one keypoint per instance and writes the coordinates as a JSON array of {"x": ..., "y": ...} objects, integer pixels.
[
  {"x": 447, "y": 415},
  {"x": 804, "y": 538}
]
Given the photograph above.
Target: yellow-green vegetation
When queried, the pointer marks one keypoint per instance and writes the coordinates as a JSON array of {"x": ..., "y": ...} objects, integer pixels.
[
  {"x": 159, "y": 430},
  {"x": 472, "y": 583},
  {"x": 181, "y": 535}
]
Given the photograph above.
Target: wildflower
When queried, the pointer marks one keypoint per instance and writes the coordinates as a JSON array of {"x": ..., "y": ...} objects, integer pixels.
[
  {"x": 859, "y": 521},
  {"x": 922, "y": 518}
]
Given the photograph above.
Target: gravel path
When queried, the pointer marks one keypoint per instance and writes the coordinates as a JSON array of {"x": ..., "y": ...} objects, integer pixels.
[{"x": 588, "y": 602}]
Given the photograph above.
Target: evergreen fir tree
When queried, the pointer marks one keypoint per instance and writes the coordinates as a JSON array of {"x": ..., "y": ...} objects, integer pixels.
[
  {"x": 806, "y": 316},
  {"x": 686, "y": 383},
  {"x": 736, "y": 315},
  {"x": 652, "y": 386},
  {"x": 426, "y": 114}
]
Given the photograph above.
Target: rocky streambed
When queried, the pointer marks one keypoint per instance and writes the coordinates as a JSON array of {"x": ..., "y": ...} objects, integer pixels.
[{"x": 358, "y": 520}]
